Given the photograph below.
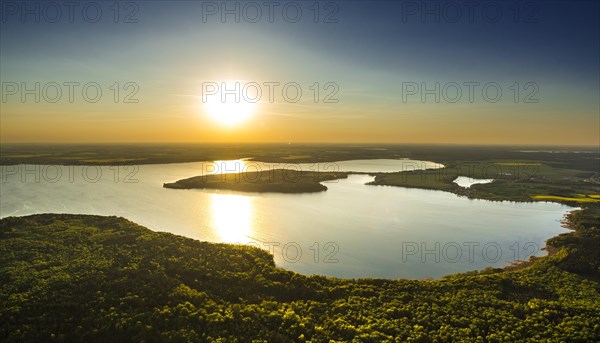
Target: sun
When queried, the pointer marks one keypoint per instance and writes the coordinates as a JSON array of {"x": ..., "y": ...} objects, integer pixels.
[{"x": 226, "y": 104}]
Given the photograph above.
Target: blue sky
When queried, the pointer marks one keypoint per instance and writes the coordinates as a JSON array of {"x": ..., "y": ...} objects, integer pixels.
[{"x": 368, "y": 50}]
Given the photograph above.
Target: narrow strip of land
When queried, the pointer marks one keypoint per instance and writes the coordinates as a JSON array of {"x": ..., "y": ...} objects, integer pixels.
[{"x": 276, "y": 180}]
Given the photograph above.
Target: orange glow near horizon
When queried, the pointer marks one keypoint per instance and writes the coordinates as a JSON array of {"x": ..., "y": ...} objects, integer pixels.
[{"x": 283, "y": 123}]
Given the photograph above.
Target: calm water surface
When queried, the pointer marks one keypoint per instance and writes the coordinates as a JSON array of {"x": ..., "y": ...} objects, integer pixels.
[{"x": 351, "y": 230}]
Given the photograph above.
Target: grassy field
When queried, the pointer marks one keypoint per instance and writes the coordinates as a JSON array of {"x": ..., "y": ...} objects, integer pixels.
[{"x": 584, "y": 199}]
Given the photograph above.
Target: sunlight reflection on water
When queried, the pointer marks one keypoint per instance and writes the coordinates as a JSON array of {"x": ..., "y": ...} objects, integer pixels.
[{"x": 232, "y": 216}]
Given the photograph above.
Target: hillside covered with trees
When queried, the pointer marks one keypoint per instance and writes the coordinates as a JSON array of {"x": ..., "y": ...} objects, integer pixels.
[{"x": 91, "y": 278}]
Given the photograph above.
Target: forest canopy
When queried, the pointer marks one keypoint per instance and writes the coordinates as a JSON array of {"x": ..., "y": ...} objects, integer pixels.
[{"x": 93, "y": 278}]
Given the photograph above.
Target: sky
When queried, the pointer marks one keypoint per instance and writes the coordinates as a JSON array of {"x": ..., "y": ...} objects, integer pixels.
[{"x": 489, "y": 72}]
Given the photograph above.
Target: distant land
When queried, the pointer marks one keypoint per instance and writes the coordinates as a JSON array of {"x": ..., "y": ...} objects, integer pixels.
[
  {"x": 568, "y": 175},
  {"x": 581, "y": 158}
]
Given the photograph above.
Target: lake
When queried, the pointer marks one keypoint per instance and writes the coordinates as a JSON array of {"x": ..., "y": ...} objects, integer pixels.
[
  {"x": 467, "y": 182},
  {"x": 351, "y": 230}
]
